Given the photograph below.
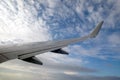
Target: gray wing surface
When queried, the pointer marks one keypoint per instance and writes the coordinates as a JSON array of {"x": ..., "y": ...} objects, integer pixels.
[{"x": 28, "y": 50}]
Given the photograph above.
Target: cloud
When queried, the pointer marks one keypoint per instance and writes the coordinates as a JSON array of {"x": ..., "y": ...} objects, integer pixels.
[
  {"x": 95, "y": 51},
  {"x": 51, "y": 66},
  {"x": 59, "y": 58},
  {"x": 44, "y": 74},
  {"x": 114, "y": 39},
  {"x": 31, "y": 21},
  {"x": 19, "y": 23},
  {"x": 86, "y": 52},
  {"x": 70, "y": 73}
]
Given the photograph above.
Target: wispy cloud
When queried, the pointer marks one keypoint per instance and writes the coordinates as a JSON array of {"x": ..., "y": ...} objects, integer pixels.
[
  {"x": 91, "y": 12},
  {"x": 44, "y": 74},
  {"x": 114, "y": 39},
  {"x": 29, "y": 21},
  {"x": 19, "y": 22},
  {"x": 48, "y": 68}
]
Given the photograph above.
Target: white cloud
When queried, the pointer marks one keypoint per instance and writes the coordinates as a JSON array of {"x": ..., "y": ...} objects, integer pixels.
[
  {"x": 20, "y": 22},
  {"x": 22, "y": 25},
  {"x": 80, "y": 7},
  {"x": 71, "y": 73},
  {"x": 114, "y": 39},
  {"x": 49, "y": 58},
  {"x": 94, "y": 52},
  {"x": 80, "y": 50}
]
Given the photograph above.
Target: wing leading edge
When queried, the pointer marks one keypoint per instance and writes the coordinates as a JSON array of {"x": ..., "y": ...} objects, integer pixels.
[{"x": 29, "y": 50}]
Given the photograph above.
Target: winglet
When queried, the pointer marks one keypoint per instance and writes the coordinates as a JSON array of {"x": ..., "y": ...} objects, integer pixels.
[{"x": 94, "y": 33}]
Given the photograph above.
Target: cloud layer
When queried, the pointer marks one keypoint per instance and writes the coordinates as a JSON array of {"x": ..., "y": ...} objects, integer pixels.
[
  {"x": 19, "y": 23},
  {"x": 40, "y": 20}
]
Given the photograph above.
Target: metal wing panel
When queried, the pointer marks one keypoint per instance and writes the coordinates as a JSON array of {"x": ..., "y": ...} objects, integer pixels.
[
  {"x": 27, "y": 50},
  {"x": 23, "y": 51}
]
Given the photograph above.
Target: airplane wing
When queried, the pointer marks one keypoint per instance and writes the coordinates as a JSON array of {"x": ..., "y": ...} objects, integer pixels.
[{"x": 27, "y": 52}]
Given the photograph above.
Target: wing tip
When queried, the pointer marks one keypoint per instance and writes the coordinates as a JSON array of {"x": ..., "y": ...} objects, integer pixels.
[{"x": 95, "y": 32}]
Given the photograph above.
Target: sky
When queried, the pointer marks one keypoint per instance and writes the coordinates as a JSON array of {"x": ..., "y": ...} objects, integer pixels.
[{"x": 24, "y": 21}]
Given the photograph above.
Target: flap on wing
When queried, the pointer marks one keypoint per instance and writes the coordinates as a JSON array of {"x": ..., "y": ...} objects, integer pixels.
[
  {"x": 3, "y": 58},
  {"x": 60, "y": 51},
  {"x": 33, "y": 60}
]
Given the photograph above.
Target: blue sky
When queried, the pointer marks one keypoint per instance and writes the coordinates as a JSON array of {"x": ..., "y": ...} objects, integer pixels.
[{"x": 42, "y": 20}]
